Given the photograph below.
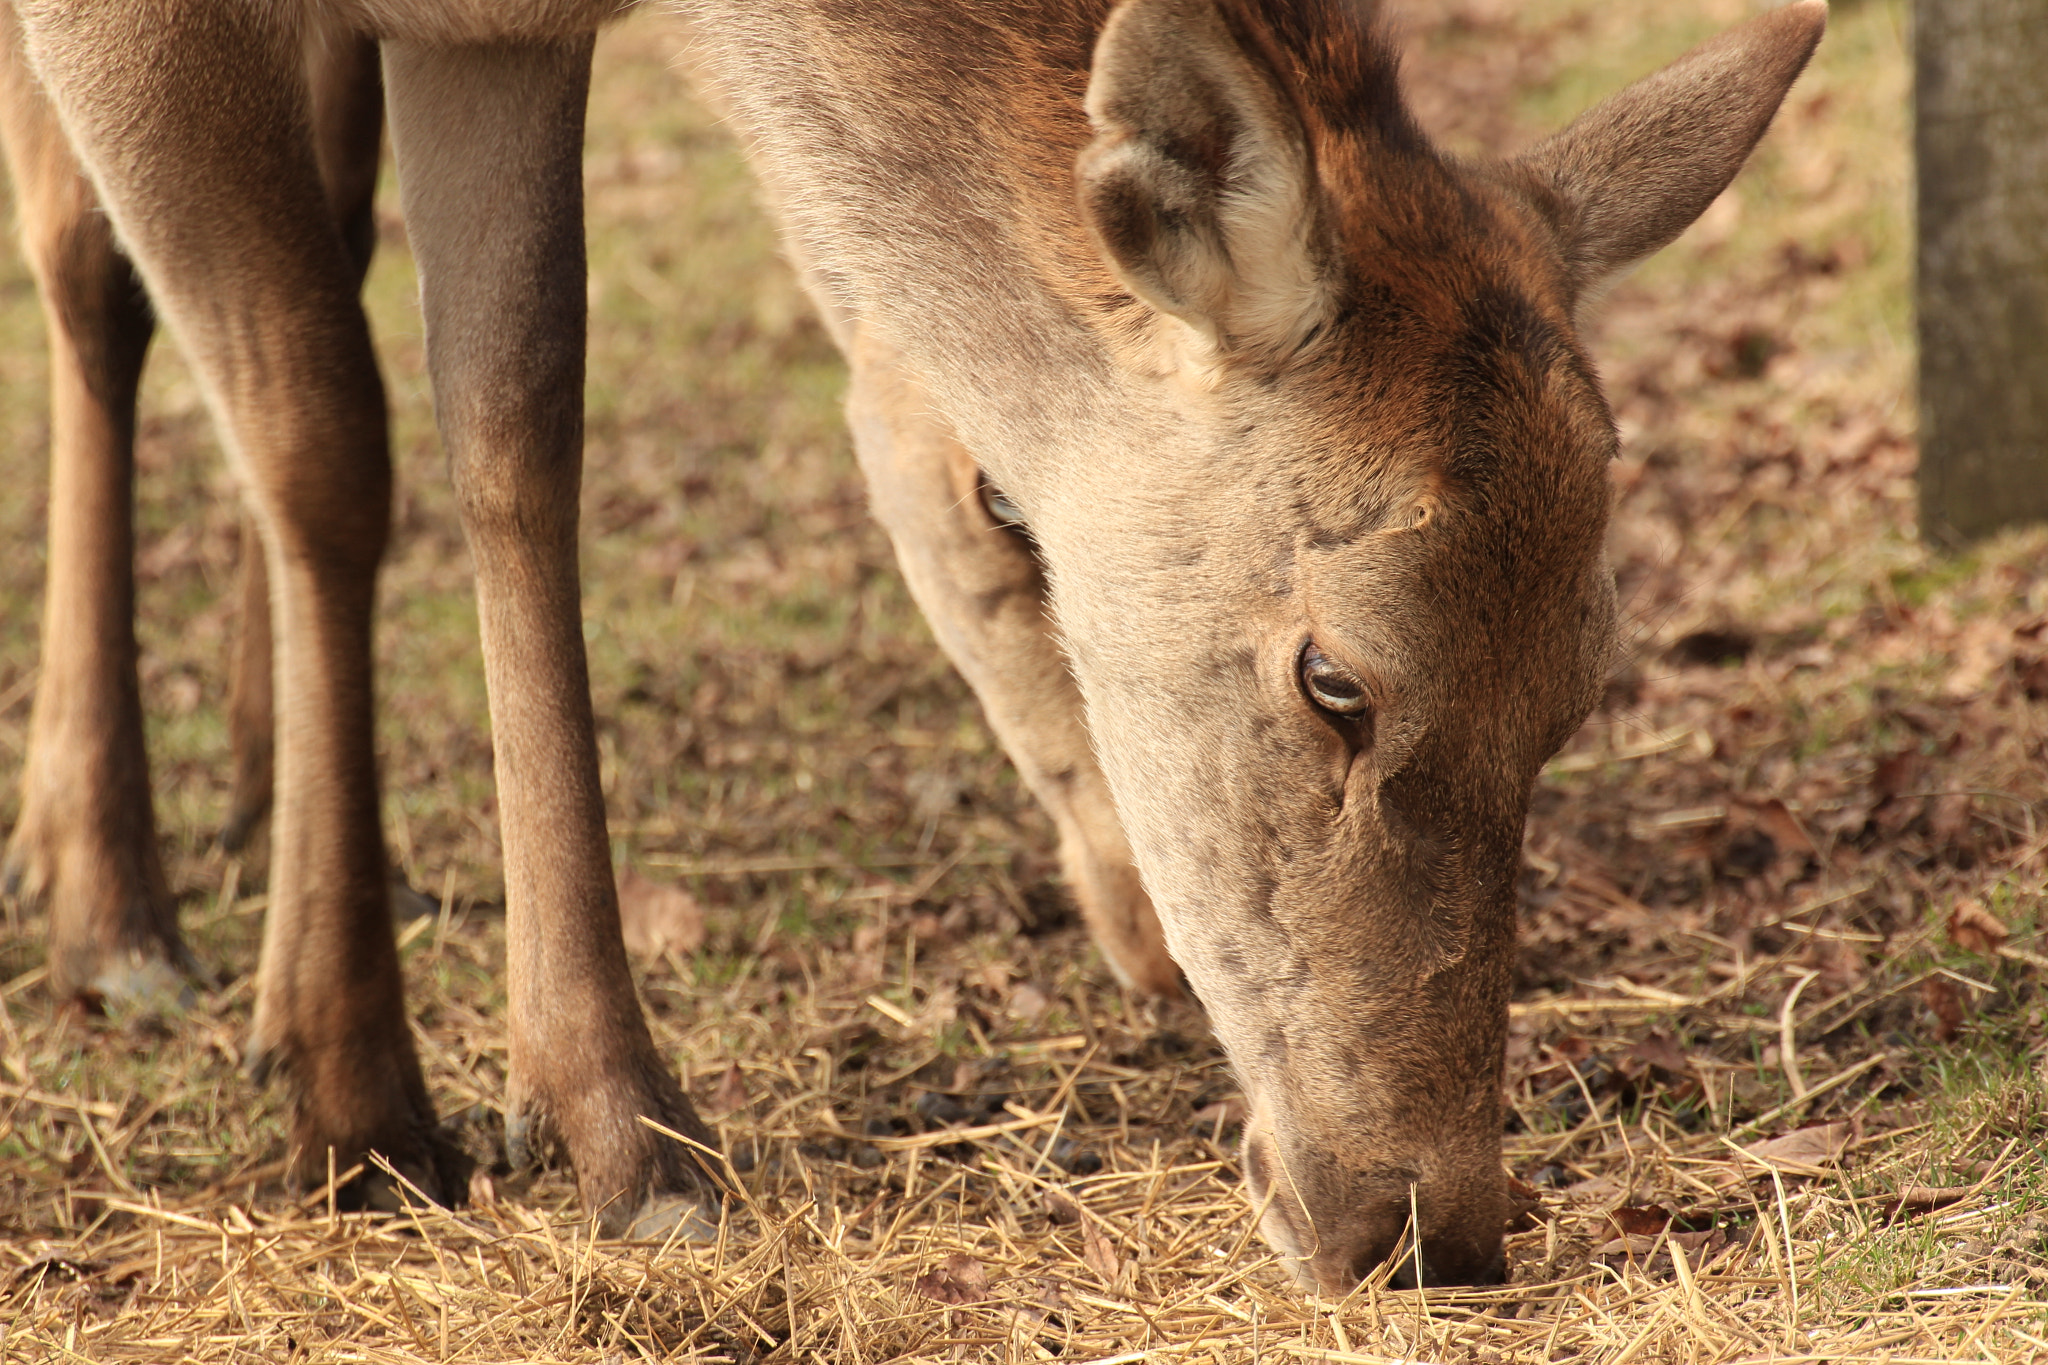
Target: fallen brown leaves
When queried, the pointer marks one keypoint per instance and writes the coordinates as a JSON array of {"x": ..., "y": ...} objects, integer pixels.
[
  {"x": 1915, "y": 1200},
  {"x": 1945, "y": 1003},
  {"x": 958, "y": 1279},
  {"x": 1099, "y": 1254},
  {"x": 657, "y": 917},
  {"x": 731, "y": 1096},
  {"x": 1975, "y": 930},
  {"x": 1804, "y": 1151}
]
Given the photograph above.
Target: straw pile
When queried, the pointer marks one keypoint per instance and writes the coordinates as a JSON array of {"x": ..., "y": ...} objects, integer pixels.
[{"x": 1037, "y": 1196}]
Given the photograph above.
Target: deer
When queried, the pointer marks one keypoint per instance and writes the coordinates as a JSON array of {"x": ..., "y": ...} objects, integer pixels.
[{"x": 1238, "y": 443}]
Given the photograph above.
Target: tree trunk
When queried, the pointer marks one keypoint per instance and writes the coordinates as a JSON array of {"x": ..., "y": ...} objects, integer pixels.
[{"x": 1981, "y": 142}]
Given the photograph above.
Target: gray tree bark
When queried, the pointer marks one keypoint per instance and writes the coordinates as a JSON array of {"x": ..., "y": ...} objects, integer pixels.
[{"x": 1981, "y": 144}]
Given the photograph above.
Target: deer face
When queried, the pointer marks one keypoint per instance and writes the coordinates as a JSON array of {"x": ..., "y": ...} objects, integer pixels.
[
  {"x": 1327, "y": 642},
  {"x": 1333, "y": 583}
]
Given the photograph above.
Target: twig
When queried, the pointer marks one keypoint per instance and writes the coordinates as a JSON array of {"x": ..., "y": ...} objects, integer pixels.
[{"x": 1788, "y": 1042}]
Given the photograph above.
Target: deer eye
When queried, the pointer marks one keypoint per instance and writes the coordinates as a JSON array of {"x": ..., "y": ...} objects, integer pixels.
[
  {"x": 1332, "y": 686},
  {"x": 1001, "y": 510}
]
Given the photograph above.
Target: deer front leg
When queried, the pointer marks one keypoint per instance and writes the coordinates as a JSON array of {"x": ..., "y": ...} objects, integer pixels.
[
  {"x": 86, "y": 840},
  {"x": 252, "y": 719},
  {"x": 489, "y": 145},
  {"x": 195, "y": 129},
  {"x": 345, "y": 83},
  {"x": 982, "y": 589}
]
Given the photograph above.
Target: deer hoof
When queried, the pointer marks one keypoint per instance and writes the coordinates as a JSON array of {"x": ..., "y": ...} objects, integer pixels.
[
  {"x": 437, "y": 1174},
  {"x": 260, "y": 1060},
  {"x": 527, "y": 1144},
  {"x": 240, "y": 829},
  {"x": 668, "y": 1217},
  {"x": 136, "y": 984},
  {"x": 24, "y": 878}
]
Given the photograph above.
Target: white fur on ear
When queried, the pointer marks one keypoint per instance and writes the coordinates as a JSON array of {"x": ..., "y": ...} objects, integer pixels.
[{"x": 1198, "y": 185}]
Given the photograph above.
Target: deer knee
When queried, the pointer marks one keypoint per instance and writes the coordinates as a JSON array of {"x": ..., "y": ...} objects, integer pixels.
[
  {"x": 510, "y": 520},
  {"x": 319, "y": 483},
  {"x": 516, "y": 453}
]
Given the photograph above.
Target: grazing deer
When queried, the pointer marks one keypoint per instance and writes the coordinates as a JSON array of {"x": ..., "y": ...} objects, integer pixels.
[{"x": 1292, "y": 404}]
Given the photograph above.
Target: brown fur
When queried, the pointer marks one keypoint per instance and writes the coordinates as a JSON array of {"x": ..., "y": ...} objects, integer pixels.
[
  {"x": 1270, "y": 378},
  {"x": 86, "y": 841},
  {"x": 223, "y": 203},
  {"x": 1278, "y": 373}
]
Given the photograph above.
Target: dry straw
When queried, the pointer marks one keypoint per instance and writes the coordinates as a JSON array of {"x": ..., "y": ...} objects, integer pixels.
[{"x": 1060, "y": 1227}]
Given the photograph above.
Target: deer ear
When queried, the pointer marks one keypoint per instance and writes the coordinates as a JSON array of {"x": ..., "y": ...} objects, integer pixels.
[
  {"x": 1198, "y": 187},
  {"x": 1632, "y": 173}
]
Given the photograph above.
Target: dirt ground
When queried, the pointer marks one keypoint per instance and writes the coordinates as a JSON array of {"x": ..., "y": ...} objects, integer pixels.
[{"x": 1777, "y": 1070}]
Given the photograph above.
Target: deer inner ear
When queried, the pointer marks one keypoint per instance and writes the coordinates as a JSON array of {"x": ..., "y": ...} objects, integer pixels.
[{"x": 1198, "y": 187}]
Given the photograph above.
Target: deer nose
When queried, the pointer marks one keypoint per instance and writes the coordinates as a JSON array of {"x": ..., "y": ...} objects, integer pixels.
[
  {"x": 1350, "y": 1230},
  {"x": 1453, "y": 1269},
  {"x": 1456, "y": 1250},
  {"x": 1443, "y": 1262}
]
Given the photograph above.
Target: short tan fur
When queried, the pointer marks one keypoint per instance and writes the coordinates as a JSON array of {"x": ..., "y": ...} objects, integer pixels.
[{"x": 1293, "y": 405}]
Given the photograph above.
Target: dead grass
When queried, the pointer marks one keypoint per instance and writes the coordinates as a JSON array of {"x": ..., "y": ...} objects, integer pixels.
[{"x": 1776, "y": 1065}]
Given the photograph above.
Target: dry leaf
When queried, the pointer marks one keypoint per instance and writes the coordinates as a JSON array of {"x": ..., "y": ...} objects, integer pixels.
[
  {"x": 1638, "y": 1222},
  {"x": 731, "y": 1096},
  {"x": 956, "y": 1280},
  {"x": 1804, "y": 1151},
  {"x": 1044, "y": 1303},
  {"x": 1100, "y": 1253},
  {"x": 1976, "y": 930},
  {"x": 1897, "y": 774},
  {"x": 1919, "y": 1199},
  {"x": 1525, "y": 1206},
  {"x": 1948, "y": 816},
  {"x": 1658, "y": 1050},
  {"x": 1776, "y": 819},
  {"x": 1700, "y": 1247},
  {"x": 1028, "y": 1002},
  {"x": 657, "y": 918},
  {"x": 1627, "y": 1246},
  {"x": 1946, "y": 1002},
  {"x": 1595, "y": 1189},
  {"x": 1978, "y": 656}
]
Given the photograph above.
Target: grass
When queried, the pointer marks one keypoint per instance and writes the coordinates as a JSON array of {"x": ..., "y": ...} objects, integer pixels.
[{"x": 958, "y": 1140}]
